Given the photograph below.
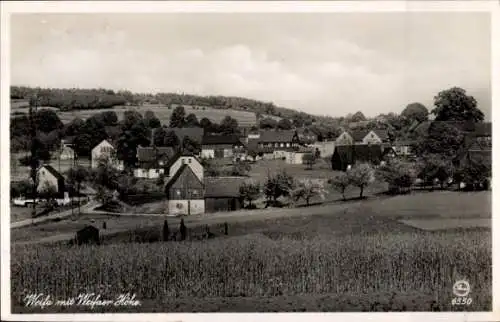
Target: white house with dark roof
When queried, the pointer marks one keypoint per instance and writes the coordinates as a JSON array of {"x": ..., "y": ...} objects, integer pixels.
[
  {"x": 189, "y": 192},
  {"x": 151, "y": 161},
  {"x": 49, "y": 178},
  {"x": 105, "y": 151}
]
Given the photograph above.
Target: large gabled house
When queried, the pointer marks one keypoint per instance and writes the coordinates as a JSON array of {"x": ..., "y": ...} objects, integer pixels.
[
  {"x": 151, "y": 161},
  {"x": 189, "y": 192},
  {"x": 221, "y": 146},
  {"x": 105, "y": 151},
  {"x": 49, "y": 178},
  {"x": 477, "y": 145},
  {"x": 375, "y": 136}
]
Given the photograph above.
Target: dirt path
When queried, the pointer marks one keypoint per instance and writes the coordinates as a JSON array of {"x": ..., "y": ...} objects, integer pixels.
[{"x": 61, "y": 215}]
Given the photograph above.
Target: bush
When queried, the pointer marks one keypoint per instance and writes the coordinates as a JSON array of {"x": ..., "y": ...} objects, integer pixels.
[
  {"x": 399, "y": 175},
  {"x": 249, "y": 191}
]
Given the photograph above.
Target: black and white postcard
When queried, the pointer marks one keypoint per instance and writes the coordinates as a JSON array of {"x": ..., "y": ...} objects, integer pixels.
[{"x": 248, "y": 157}]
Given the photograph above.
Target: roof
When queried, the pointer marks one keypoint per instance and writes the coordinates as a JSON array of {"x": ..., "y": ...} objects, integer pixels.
[
  {"x": 194, "y": 133},
  {"x": 277, "y": 136},
  {"x": 360, "y": 152},
  {"x": 223, "y": 187},
  {"x": 221, "y": 139},
  {"x": 179, "y": 172},
  {"x": 53, "y": 171},
  {"x": 358, "y": 135},
  {"x": 146, "y": 154},
  {"x": 382, "y": 134},
  {"x": 176, "y": 156}
]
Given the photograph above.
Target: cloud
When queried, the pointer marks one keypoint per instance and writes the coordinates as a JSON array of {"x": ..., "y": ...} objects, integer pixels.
[{"x": 328, "y": 70}]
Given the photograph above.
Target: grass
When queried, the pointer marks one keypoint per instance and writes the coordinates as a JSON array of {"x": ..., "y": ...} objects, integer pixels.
[{"x": 355, "y": 256}]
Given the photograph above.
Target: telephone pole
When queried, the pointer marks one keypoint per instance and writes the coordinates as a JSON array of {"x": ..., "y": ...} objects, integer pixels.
[{"x": 34, "y": 158}]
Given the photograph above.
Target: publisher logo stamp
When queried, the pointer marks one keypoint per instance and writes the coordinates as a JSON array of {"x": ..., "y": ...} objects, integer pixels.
[{"x": 461, "y": 290}]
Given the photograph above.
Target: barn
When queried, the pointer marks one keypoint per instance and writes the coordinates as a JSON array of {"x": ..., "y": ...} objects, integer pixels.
[
  {"x": 223, "y": 193},
  {"x": 345, "y": 156}
]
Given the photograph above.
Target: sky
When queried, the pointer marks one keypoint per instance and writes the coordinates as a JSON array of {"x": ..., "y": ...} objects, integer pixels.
[{"x": 320, "y": 63}]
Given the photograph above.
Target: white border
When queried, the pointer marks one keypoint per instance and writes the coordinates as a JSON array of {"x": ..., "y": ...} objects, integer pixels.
[{"x": 237, "y": 6}]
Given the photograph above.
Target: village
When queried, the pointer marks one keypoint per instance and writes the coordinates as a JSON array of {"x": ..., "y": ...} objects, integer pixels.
[{"x": 250, "y": 162}]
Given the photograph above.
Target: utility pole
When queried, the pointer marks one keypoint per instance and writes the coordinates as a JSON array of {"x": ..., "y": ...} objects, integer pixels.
[{"x": 34, "y": 158}]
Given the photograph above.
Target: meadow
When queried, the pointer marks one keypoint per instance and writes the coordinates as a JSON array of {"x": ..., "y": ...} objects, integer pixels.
[
  {"x": 355, "y": 256},
  {"x": 162, "y": 112}
]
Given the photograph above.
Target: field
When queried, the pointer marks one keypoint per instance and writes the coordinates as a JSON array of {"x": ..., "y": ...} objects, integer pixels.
[
  {"x": 354, "y": 256},
  {"x": 161, "y": 111}
]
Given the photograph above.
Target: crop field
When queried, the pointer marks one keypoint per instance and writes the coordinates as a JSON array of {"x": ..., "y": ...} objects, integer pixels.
[{"x": 360, "y": 256}]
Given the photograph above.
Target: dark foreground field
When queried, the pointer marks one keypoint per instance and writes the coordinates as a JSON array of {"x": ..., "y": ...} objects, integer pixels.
[{"x": 360, "y": 259}]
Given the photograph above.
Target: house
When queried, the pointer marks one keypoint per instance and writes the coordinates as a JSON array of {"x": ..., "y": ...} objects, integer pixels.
[
  {"x": 477, "y": 145},
  {"x": 307, "y": 136},
  {"x": 223, "y": 193},
  {"x": 151, "y": 161},
  {"x": 185, "y": 192},
  {"x": 325, "y": 148},
  {"x": 47, "y": 177},
  {"x": 404, "y": 147},
  {"x": 189, "y": 192},
  {"x": 278, "y": 139},
  {"x": 105, "y": 151},
  {"x": 220, "y": 146},
  {"x": 346, "y": 156},
  {"x": 375, "y": 136},
  {"x": 66, "y": 152},
  {"x": 296, "y": 157}
]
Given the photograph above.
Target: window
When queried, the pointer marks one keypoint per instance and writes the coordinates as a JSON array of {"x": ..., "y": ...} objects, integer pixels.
[
  {"x": 178, "y": 192},
  {"x": 189, "y": 160},
  {"x": 157, "y": 170}
]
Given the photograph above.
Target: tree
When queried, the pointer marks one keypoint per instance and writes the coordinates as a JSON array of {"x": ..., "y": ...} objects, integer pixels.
[
  {"x": 276, "y": 186},
  {"x": 434, "y": 167},
  {"x": 133, "y": 135},
  {"x": 249, "y": 191},
  {"x": 399, "y": 175},
  {"x": 228, "y": 126},
  {"x": 47, "y": 121},
  {"x": 171, "y": 139},
  {"x": 268, "y": 123},
  {"x": 75, "y": 177},
  {"x": 284, "y": 124},
  {"x": 455, "y": 105},
  {"x": 340, "y": 183},
  {"x": 183, "y": 229},
  {"x": 308, "y": 189},
  {"x": 416, "y": 112},
  {"x": 361, "y": 175},
  {"x": 151, "y": 120},
  {"x": 109, "y": 118},
  {"x": 206, "y": 124},
  {"x": 358, "y": 117},
  {"x": 240, "y": 168},
  {"x": 442, "y": 138},
  {"x": 177, "y": 119},
  {"x": 166, "y": 231},
  {"x": 190, "y": 145},
  {"x": 192, "y": 120},
  {"x": 309, "y": 159},
  {"x": 474, "y": 173},
  {"x": 159, "y": 135}
]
